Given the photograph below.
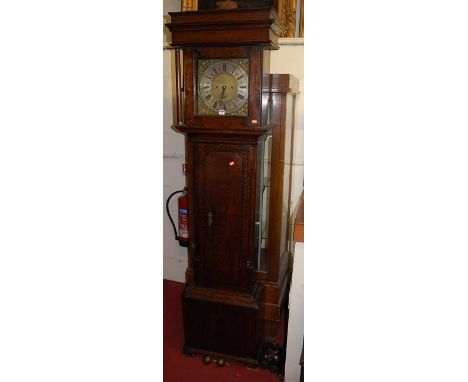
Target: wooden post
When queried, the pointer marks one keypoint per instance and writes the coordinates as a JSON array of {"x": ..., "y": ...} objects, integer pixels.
[{"x": 179, "y": 110}]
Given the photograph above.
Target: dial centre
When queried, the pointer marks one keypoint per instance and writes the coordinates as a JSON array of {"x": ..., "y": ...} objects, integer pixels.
[{"x": 224, "y": 87}]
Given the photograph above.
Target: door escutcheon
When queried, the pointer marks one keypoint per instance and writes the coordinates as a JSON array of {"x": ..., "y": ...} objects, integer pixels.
[{"x": 210, "y": 219}]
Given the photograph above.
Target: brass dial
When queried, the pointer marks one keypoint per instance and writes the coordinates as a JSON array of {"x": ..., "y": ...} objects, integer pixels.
[{"x": 223, "y": 87}]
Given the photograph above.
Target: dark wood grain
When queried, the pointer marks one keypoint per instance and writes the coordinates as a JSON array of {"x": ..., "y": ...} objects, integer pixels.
[
  {"x": 220, "y": 323},
  {"x": 223, "y": 296},
  {"x": 222, "y": 28},
  {"x": 220, "y": 201}
]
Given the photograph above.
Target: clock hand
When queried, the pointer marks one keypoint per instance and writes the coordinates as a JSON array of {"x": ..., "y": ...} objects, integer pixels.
[{"x": 222, "y": 93}]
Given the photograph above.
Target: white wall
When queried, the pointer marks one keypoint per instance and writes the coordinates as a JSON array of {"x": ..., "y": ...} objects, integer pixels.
[
  {"x": 174, "y": 256},
  {"x": 288, "y": 59},
  {"x": 292, "y": 369},
  {"x": 169, "y": 6}
]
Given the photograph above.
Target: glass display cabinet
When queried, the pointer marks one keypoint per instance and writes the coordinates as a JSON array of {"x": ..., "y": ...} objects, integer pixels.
[{"x": 279, "y": 92}]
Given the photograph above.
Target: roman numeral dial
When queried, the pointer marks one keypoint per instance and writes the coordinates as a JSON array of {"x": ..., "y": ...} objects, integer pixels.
[{"x": 223, "y": 86}]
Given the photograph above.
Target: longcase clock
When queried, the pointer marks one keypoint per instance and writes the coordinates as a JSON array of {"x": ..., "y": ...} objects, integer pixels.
[{"x": 227, "y": 110}]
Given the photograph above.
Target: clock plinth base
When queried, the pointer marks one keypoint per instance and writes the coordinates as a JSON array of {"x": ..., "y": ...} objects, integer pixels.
[{"x": 223, "y": 324}]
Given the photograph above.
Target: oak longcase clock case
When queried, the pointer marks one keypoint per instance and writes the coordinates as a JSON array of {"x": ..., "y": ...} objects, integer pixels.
[{"x": 235, "y": 117}]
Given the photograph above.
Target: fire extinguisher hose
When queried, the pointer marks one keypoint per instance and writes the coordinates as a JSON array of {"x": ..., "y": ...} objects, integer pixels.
[{"x": 169, "y": 214}]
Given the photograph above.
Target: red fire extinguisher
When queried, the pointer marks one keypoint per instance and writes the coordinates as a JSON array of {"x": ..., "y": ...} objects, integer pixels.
[{"x": 182, "y": 203}]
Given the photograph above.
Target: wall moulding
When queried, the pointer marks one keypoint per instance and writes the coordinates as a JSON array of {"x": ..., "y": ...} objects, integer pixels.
[{"x": 291, "y": 22}]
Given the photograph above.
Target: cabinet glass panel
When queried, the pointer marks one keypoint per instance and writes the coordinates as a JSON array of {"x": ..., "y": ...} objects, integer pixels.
[
  {"x": 267, "y": 109},
  {"x": 288, "y": 146},
  {"x": 265, "y": 169}
]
